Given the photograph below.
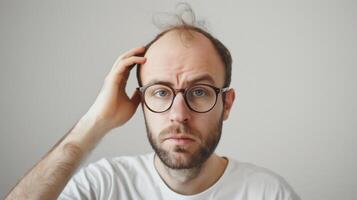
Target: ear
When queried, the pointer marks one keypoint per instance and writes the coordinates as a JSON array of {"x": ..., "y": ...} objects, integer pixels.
[{"x": 228, "y": 102}]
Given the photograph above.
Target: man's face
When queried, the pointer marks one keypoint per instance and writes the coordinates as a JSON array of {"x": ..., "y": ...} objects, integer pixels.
[{"x": 181, "y": 137}]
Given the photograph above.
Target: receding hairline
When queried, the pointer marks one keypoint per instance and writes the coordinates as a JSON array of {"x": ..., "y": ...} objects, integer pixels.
[{"x": 186, "y": 35}]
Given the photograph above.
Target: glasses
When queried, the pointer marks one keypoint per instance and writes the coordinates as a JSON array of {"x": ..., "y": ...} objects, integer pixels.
[{"x": 200, "y": 98}]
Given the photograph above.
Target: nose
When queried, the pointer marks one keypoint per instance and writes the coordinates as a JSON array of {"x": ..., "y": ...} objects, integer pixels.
[{"x": 179, "y": 112}]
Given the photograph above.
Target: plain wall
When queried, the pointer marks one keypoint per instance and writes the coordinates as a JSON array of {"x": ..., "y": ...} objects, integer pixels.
[{"x": 294, "y": 69}]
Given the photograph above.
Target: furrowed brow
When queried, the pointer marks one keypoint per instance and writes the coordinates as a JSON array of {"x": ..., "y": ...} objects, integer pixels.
[
  {"x": 204, "y": 77},
  {"x": 190, "y": 81}
]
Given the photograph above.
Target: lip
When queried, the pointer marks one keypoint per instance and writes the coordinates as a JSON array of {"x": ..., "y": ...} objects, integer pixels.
[{"x": 180, "y": 139}]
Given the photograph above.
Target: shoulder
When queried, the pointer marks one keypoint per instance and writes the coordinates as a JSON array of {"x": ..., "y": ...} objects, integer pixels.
[
  {"x": 121, "y": 163},
  {"x": 106, "y": 177},
  {"x": 112, "y": 169},
  {"x": 260, "y": 180},
  {"x": 254, "y": 173}
]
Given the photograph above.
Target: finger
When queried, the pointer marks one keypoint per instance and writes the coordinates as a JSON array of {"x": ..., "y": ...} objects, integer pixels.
[
  {"x": 120, "y": 74},
  {"x": 128, "y": 63},
  {"x": 132, "y": 52},
  {"x": 136, "y": 51}
]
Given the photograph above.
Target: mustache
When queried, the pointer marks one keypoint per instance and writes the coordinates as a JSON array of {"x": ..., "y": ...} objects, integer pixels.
[{"x": 179, "y": 128}]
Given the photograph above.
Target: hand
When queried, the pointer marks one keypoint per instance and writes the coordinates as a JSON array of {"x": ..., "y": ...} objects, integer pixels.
[{"x": 112, "y": 107}]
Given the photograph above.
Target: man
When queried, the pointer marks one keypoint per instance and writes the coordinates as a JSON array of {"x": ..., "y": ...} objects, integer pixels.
[{"x": 184, "y": 74}]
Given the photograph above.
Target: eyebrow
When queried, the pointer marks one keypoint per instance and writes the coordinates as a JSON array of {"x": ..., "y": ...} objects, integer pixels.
[{"x": 204, "y": 77}]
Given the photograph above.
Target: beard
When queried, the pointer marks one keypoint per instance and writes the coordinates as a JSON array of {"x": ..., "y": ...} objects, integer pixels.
[{"x": 194, "y": 159}]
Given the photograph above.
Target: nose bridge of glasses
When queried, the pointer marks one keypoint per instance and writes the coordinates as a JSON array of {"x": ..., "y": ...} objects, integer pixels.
[
  {"x": 176, "y": 93},
  {"x": 183, "y": 91}
]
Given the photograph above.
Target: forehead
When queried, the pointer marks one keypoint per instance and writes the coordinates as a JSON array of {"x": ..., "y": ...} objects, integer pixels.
[{"x": 180, "y": 58}]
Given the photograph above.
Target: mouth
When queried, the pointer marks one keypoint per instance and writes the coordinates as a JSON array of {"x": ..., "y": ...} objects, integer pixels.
[{"x": 181, "y": 139}]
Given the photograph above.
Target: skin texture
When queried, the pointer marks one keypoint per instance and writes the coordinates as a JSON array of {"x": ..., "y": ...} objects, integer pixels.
[{"x": 179, "y": 59}]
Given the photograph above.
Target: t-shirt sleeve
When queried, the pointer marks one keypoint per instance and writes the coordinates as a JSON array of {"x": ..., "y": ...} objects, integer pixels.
[
  {"x": 271, "y": 186},
  {"x": 284, "y": 191}
]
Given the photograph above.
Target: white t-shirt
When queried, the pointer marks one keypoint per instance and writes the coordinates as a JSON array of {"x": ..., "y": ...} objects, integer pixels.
[{"x": 135, "y": 178}]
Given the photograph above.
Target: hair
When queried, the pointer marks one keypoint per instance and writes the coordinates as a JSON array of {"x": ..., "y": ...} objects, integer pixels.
[{"x": 184, "y": 26}]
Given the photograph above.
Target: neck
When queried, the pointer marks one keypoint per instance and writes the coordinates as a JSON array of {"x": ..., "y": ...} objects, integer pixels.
[{"x": 194, "y": 180}]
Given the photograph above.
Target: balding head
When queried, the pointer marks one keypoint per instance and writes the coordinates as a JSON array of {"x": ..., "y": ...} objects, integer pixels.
[
  {"x": 186, "y": 33},
  {"x": 181, "y": 56}
]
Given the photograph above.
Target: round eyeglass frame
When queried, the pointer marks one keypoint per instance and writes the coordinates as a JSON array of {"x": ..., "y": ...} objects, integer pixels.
[{"x": 217, "y": 90}]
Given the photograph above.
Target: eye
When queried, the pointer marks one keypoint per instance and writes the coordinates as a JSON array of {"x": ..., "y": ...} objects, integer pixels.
[
  {"x": 161, "y": 93},
  {"x": 198, "y": 92}
]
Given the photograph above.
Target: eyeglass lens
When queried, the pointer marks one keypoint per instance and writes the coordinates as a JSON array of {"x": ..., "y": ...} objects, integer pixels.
[{"x": 199, "y": 98}]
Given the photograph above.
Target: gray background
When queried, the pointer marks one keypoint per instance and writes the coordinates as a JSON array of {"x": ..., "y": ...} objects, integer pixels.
[{"x": 294, "y": 71}]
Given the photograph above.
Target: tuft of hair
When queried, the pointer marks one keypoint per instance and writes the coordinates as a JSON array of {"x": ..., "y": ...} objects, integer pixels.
[{"x": 184, "y": 16}]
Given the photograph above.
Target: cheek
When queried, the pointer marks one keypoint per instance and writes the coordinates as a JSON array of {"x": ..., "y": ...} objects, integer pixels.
[
  {"x": 209, "y": 120},
  {"x": 216, "y": 112},
  {"x": 205, "y": 122},
  {"x": 155, "y": 121}
]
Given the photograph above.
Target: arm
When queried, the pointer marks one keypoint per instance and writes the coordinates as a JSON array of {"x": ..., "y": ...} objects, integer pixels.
[{"x": 112, "y": 108}]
